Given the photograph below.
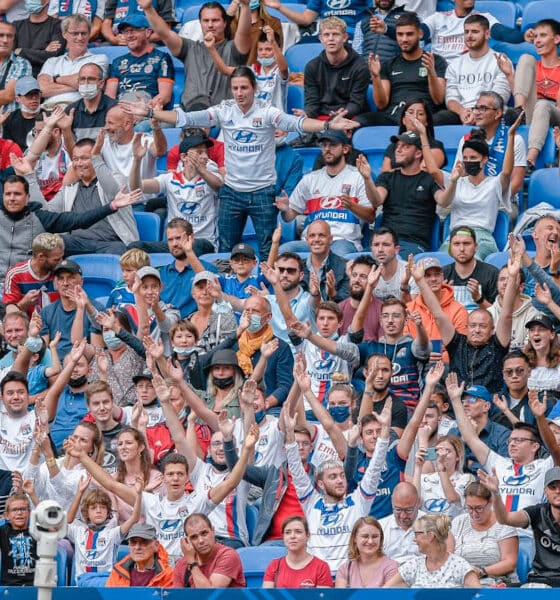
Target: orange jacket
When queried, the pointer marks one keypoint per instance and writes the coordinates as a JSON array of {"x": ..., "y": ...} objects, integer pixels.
[
  {"x": 120, "y": 575},
  {"x": 456, "y": 312}
]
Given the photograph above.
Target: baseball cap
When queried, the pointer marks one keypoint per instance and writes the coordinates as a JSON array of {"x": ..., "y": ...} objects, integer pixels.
[
  {"x": 148, "y": 272},
  {"x": 551, "y": 476},
  {"x": 478, "y": 391},
  {"x": 333, "y": 135},
  {"x": 69, "y": 266},
  {"x": 191, "y": 141},
  {"x": 431, "y": 263},
  {"x": 407, "y": 137},
  {"x": 203, "y": 276},
  {"x": 26, "y": 85},
  {"x": 142, "y": 530},
  {"x": 555, "y": 421},
  {"x": 136, "y": 21},
  {"x": 243, "y": 249},
  {"x": 540, "y": 320},
  {"x": 145, "y": 374}
]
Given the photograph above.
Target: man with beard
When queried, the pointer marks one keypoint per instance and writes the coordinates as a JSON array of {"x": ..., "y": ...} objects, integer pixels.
[
  {"x": 177, "y": 277},
  {"x": 474, "y": 282},
  {"x": 394, "y": 278},
  {"x": 376, "y": 32},
  {"x": 359, "y": 272},
  {"x": 339, "y": 194},
  {"x": 409, "y": 196}
]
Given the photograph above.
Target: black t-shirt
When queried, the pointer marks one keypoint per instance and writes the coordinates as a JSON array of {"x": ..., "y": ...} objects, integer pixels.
[
  {"x": 410, "y": 207},
  {"x": 399, "y": 416},
  {"x": 16, "y": 129},
  {"x": 19, "y": 554},
  {"x": 484, "y": 273},
  {"x": 409, "y": 79},
  {"x": 390, "y": 152},
  {"x": 547, "y": 545},
  {"x": 477, "y": 365},
  {"x": 111, "y": 454}
]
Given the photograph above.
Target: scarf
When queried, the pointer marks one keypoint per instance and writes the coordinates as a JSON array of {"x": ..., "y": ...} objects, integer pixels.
[{"x": 249, "y": 345}]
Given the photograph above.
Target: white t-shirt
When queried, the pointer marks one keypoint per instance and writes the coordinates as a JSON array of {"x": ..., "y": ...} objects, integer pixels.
[
  {"x": 433, "y": 497},
  {"x": 519, "y": 151},
  {"x": 228, "y": 518},
  {"x": 271, "y": 88},
  {"x": 447, "y": 31},
  {"x": 544, "y": 378},
  {"x": 16, "y": 440},
  {"x": 319, "y": 196},
  {"x": 193, "y": 200},
  {"x": 450, "y": 575},
  {"x": 391, "y": 287},
  {"x": 97, "y": 549},
  {"x": 398, "y": 544},
  {"x": 422, "y": 8},
  {"x": 50, "y": 168},
  {"x": 119, "y": 158},
  {"x": 323, "y": 449},
  {"x": 270, "y": 447},
  {"x": 154, "y": 414},
  {"x": 250, "y": 151}
]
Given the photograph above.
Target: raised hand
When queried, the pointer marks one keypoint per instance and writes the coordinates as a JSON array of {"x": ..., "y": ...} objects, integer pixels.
[
  {"x": 385, "y": 417},
  {"x": 226, "y": 425},
  {"x": 374, "y": 65},
  {"x": 209, "y": 40},
  {"x": 500, "y": 402},
  {"x": 175, "y": 371},
  {"x": 123, "y": 198},
  {"x": 139, "y": 146},
  {"x": 415, "y": 317},
  {"x": 282, "y": 202},
  {"x": 66, "y": 120},
  {"x": 107, "y": 320},
  {"x": 247, "y": 394},
  {"x": 354, "y": 435},
  {"x": 102, "y": 363},
  {"x": 35, "y": 325},
  {"x": 435, "y": 373},
  {"x": 302, "y": 330},
  {"x": 538, "y": 407},
  {"x": 17, "y": 482},
  {"x": 269, "y": 348},
  {"x": 489, "y": 481},
  {"x": 454, "y": 390},
  {"x": 56, "y": 339},
  {"x": 162, "y": 390},
  {"x": 314, "y": 284},
  {"x": 363, "y": 166},
  {"x": 331, "y": 284},
  {"x": 301, "y": 375},
  {"x": 271, "y": 273},
  {"x": 341, "y": 123},
  {"x": 83, "y": 484},
  {"x": 417, "y": 270},
  {"x": 99, "y": 141},
  {"x": 458, "y": 171},
  {"x": 543, "y": 294},
  {"x": 252, "y": 438}
]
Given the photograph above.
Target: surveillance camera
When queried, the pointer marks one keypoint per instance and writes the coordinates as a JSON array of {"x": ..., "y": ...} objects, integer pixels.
[{"x": 49, "y": 515}]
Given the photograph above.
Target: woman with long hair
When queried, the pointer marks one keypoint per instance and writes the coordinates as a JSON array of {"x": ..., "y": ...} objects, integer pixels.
[
  {"x": 298, "y": 569},
  {"x": 490, "y": 547},
  {"x": 436, "y": 567},
  {"x": 367, "y": 566},
  {"x": 543, "y": 352}
]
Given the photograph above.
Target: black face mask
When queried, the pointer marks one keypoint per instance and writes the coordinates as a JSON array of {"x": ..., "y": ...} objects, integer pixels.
[
  {"x": 472, "y": 167},
  {"x": 216, "y": 465},
  {"x": 76, "y": 382},
  {"x": 223, "y": 383}
]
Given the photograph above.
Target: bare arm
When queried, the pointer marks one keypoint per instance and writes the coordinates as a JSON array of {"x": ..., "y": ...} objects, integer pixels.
[
  {"x": 171, "y": 39},
  {"x": 538, "y": 408}
]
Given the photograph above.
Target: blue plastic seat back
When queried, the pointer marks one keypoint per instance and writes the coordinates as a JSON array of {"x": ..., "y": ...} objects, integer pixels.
[
  {"x": 256, "y": 559},
  {"x": 544, "y": 186},
  {"x": 149, "y": 226},
  {"x": 299, "y": 55}
]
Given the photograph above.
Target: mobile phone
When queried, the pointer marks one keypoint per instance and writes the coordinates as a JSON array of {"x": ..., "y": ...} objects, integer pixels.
[{"x": 431, "y": 453}]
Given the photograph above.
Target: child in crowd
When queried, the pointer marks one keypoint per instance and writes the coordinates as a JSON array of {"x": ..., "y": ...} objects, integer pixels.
[
  {"x": 122, "y": 294},
  {"x": 95, "y": 540}
]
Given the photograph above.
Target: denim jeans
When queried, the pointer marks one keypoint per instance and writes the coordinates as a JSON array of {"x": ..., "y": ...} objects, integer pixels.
[
  {"x": 234, "y": 209},
  {"x": 410, "y": 248}
]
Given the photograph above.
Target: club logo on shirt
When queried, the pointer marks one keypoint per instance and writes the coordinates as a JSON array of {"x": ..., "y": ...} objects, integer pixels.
[
  {"x": 257, "y": 122},
  {"x": 244, "y": 136}
]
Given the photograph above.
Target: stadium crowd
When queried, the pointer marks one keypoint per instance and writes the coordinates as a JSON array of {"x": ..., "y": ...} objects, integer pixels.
[{"x": 366, "y": 401}]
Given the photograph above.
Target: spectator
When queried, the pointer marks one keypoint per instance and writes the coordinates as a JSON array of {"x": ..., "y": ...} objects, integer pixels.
[
  {"x": 191, "y": 193},
  {"x": 91, "y": 9},
  {"x": 476, "y": 356},
  {"x": 545, "y": 235},
  {"x": 12, "y": 67},
  {"x": 338, "y": 194},
  {"x": 484, "y": 542},
  {"x": 338, "y": 77},
  {"x": 17, "y": 545},
  {"x": 215, "y": 152},
  {"x": 409, "y": 196},
  {"x": 20, "y": 123},
  {"x": 475, "y": 283},
  {"x": 205, "y": 86},
  {"x": 376, "y": 32},
  {"x": 29, "y": 284},
  {"x": 543, "y": 350},
  {"x": 367, "y": 566},
  {"x": 250, "y": 176},
  {"x": 479, "y": 69},
  {"x": 59, "y": 75},
  {"x": 413, "y": 72},
  {"x": 143, "y": 71},
  {"x": 385, "y": 250},
  {"x": 542, "y": 518},
  {"x": 298, "y": 569},
  {"x": 89, "y": 114},
  {"x": 122, "y": 296},
  {"x": 205, "y": 562},
  {"x": 38, "y": 35},
  {"x": 147, "y": 564},
  {"x": 437, "y": 567},
  {"x": 537, "y": 84}
]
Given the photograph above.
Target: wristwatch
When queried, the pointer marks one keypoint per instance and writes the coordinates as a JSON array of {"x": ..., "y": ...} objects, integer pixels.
[
  {"x": 55, "y": 77},
  {"x": 193, "y": 565}
]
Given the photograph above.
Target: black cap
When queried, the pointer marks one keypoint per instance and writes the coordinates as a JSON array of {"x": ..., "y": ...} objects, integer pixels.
[
  {"x": 333, "y": 135},
  {"x": 191, "y": 141},
  {"x": 145, "y": 374},
  {"x": 243, "y": 249},
  {"x": 407, "y": 137},
  {"x": 69, "y": 266},
  {"x": 224, "y": 357},
  {"x": 543, "y": 320}
]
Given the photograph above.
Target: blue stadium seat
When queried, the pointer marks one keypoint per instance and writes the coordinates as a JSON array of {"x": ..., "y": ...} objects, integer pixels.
[
  {"x": 111, "y": 52},
  {"x": 105, "y": 266},
  {"x": 547, "y": 155},
  {"x": 299, "y": 55},
  {"x": 449, "y": 136},
  {"x": 295, "y": 97},
  {"x": 308, "y": 156},
  {"x": 444, "y": 5},
  {"x": 190, "y": 13},
  {"x": 249, "y": 235},
  {"x": 497, "y": 259},
  {"x": 525, "y": 557},
  {"x": 544, "y": 186},
  {"x": 251, "y": 514},
  {"x": 288, "y": 229},
  {"x": 98, "y": 287},
  {"x": 354, "y": 255},
  {"x": 535, "y": 11},
  {"x": 500, "y": 232},
  {"x": 514, "y": 51},
  {"x": 149, "y": 226},
  {"x": 443, "y": 257},
  {"x": 373, "y": 142},
  {"x": 371, "y": 102},
  {"x": 159, "y": 259},
  {"x": 172, "y": 135},
  {"x": 213, "y": 257},
  {"x": 256, "y": 559},
  {"x": 505, "y": 12}
]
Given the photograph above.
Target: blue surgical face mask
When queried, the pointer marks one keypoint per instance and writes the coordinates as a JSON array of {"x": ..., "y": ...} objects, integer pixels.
[
  {"x": 255, "y": 324},
  {"x": 259, "y": 415},
  {"x": 254, "y": 4},
  {"x": 34, "y": 344},
  {"x": 339, "y": 413},
  {"x": 34, "y": 7},
  {"x": 111, "y": 340},
  {"x": 266, "y": 61},
  {"x": 183, "y": 351}
]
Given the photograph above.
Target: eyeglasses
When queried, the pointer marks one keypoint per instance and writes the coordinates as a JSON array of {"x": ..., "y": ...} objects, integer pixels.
[
  {"x": 216, "y": 444},
  {"x": 78, "y": 33},
  {"x": 18, "y": 509},
  {"x": 469, "y": 399},
  {"x": 406, "y": 511},
  {"x": 415, "y": 533},
  {"x": 289, "y": 270},
  {"x": 476, "y": 509},
  {"x": 517, "y": 371},
  {"x": 482, "y": 109},
  {"x": 518, "y": 440}
]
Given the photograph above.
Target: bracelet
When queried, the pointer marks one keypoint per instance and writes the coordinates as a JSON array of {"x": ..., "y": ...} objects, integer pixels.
[
  {"x": 193, "y": 565},
  {"x": 150, "y": 114},
  {"x": 369, "y": 393},
  {"x": 483, "y": 572},
  {"x": 480, "y": 300},
  {"x": 50, "y": 462},
  {"x": 327, "y": 125}
]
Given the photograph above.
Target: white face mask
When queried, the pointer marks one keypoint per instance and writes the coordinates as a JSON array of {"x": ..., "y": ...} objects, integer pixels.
[
  {"x": 30, "y": 111},
  {"x": 88, "y": 90}
]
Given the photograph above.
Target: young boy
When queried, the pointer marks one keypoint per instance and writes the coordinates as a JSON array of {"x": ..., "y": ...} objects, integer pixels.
[
  {"x": 96, "y": 542},
  {"x": 122, "y": 294}
]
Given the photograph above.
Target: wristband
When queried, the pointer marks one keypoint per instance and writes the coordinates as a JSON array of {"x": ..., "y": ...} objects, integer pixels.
[
  {"x": 327, "y": 125},
  {"x": 50, "y": 462},
  {"x": 193, "y": 565},
  {"x": 150, "y": 114},
  {"x": 483, "y": 572},
  {"x": 55, "y": 77},
  {"x": 480, "y": 300}
]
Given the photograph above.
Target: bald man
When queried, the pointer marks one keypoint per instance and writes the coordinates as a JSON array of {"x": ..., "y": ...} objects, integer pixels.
[{"x": 118, "y": 136}]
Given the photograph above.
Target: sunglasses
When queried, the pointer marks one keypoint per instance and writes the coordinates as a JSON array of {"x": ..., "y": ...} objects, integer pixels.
[{"x": 289, "y": 270}]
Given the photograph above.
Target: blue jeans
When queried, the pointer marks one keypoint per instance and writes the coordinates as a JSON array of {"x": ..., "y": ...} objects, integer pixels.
[
  {"x": 339, "y": 247},
  {"x": 234, "y": 209},
  {"x": 410, "y": 248}
]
